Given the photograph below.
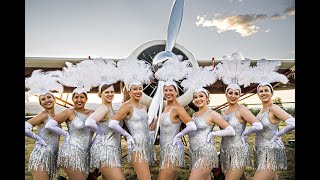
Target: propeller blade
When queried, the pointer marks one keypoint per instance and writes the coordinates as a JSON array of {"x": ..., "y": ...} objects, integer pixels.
[{"x": 174, "y": 24}]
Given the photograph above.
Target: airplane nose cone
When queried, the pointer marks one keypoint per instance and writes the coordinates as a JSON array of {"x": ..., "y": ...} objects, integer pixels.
[{"x": 163, "y": 56}]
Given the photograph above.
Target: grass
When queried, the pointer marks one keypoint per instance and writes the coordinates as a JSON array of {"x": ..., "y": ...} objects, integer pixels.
[{"x": 184, "y": 172}]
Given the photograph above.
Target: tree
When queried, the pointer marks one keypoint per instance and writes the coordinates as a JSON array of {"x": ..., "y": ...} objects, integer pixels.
[{"x": 278, "y": 101}]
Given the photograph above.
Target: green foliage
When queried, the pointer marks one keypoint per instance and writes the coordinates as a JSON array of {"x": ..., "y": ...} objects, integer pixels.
[
  {"x": 255, "y": 111},
  {"x": 277, "y": 101}
]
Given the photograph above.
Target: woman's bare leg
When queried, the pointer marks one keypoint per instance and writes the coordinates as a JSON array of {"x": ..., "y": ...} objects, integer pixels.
[
  {"x": 39, "y": 175},
  {"x": 235, "y": 174},
  {"x": 141, "y": 168},
  {"x": 75, "y": 174},
  {"x": 112, "y": 173}
]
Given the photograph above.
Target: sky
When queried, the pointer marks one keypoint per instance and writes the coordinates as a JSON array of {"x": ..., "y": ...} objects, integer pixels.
[{"x": 113, "y": 28}]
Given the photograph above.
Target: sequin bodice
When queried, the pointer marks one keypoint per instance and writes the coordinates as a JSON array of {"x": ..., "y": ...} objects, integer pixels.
[
  {"x": 238, "y": 128},
  {"x": 264, "y": 136},
  {"x": 168, "y": 129},
  {"x": 79, "y": 137},
  {"x": 199, "y": 137},
  {"x": 110, "y": 137},
  {"x": 51, "y": 138},
  {"x": 138, "y": 124}
]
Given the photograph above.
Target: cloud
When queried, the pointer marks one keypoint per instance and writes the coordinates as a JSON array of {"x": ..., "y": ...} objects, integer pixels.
[
  {"x": 268, "y": 30},
  {"x": 291, "y": 10},
  {"x": 242, "y": 24},
  {"x": 277, "y": 16}
]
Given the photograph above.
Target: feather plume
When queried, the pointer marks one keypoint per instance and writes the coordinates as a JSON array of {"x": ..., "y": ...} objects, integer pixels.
[
  {"x": 107, "y": 70},
  {"x": 80, "y": 75},
  {"x": 133, "y": 69},
  {"x": 234, "y": 70},
  {"x": 200, "y": 77},
  {"x": 41, "y": 82},
  {"x": 265, "y": 72},
  {"x": 174, "y": 70}
]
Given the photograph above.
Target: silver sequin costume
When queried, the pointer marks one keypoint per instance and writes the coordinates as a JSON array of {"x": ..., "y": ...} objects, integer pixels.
[
  {"x": 74, "y": 154},
  {"x": 203, "y": 154},
  {"x": 267, "y": 155},
  {"x": 46, "y": 156},
  {"x": 138, "y": 128},
  {"x": 234, "y": 154},
  {"x": 170, "y": 153},
  {"x": 108, "y": 152}
]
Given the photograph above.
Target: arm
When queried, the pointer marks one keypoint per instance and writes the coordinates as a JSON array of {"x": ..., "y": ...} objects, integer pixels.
[
  {"x": 32, "y": 135},
  {"x": 52, "y": 124},
  {"x": 115, "y": 126},
  {"x": 190, "y": 125},
  {"x": 96, "y": 116},
  {"x": 283, "y": 115},
  {"x": 227, "y": 130},
  {"x": 256, "y": 125}
]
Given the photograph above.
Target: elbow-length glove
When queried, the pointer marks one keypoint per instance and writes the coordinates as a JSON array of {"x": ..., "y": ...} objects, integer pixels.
[
  {"x": 52, "y": 125},
  {"x": 289, "y": 127},
  {"x": 228, "y": 131},
  {"x": 114, "y": 125},
  {"x": 256, "y": 126},
  {"x": 92, "y": 125},
  {"x": 28, "y": 132},
  {"x": 190, "y": 126}
]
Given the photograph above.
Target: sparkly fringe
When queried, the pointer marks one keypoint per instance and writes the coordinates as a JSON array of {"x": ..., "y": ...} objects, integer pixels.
[
  {"x": 270, "y": 158},
  {"x": 102, "y": 155},
  {"x": 205, "y": 157},
  {"x": 73, "y": 157},
  {"x": 172, "y": 154},
  {"x": 144, "y": 150},
  {"x": 44, "y": 158},
  {"x": 235, "y": 157}
]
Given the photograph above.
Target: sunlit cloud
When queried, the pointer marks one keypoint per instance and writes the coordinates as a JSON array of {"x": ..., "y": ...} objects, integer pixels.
[
  {"x": 242, "y": 24},
  {"x": 268, "y": 30},
  {"x": 277, "y": 17}
]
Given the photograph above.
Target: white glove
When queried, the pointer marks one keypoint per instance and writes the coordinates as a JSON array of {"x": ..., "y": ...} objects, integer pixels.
[
  {"x": 52, "y": 125},
  {"x": 289, "y": 127},
  {"x": 92, "y": 125},
  {"x": 228, "y": 131},
  {"x": 114, "y": 125},
  {"x": 28, "y": 132},
  {"x": 190, "y": 126},
  {"x": 256, "y": 126}
]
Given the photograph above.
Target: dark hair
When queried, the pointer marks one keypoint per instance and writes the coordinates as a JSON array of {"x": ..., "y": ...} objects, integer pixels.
[
  {"x": 105, "y": 86},
  {"x": 271, "y": 89},
  {"x": 85, "y": 94},
  {"x": 125, "y": 93}
]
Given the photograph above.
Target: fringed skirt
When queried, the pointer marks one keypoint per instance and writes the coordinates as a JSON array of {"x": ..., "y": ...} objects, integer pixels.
[
  {"x": 205, "y": 157},
  {"x": 271, "y": 157},
  {"x": 103, "y": 155},
  {"x": 235, "y": 157},
  {"x": 45, "y": 159},
  {"x": 172, "y": 155},
  {"x": 73, "y": 157},
  {"x": 144, "y": 151}
]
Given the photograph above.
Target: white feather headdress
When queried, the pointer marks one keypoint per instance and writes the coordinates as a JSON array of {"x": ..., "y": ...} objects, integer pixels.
[
  {"x": 133, "y": 70},
  {"x": 200, "y": 77},
  {"x": 41, "y": 83},
  {"x": 107, "y": 70},
  {"x": 82, "y": 76},
  {"x": 265, "y": 72},
  {"x": 233, "y": 71},
  {"x": 173, "y": 70}
]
